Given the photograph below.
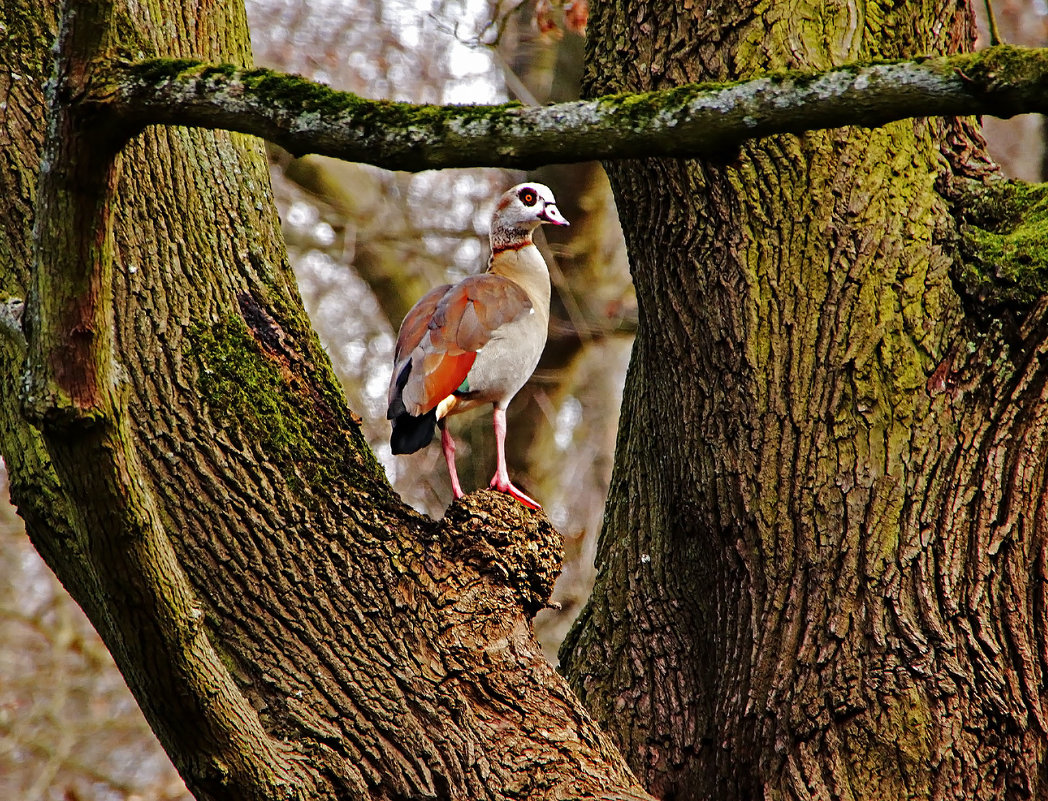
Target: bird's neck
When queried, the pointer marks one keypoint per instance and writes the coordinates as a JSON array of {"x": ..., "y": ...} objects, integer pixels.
[
  {"x": 524, "y": 266},
  {"x": 508, "y": 237}
]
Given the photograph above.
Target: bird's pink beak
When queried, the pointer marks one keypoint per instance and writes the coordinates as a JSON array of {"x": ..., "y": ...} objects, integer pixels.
[{"x": 551, "y": 214}]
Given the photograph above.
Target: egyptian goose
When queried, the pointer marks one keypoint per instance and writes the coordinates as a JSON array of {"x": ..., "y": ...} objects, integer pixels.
[{"x": 477, "y": 341}]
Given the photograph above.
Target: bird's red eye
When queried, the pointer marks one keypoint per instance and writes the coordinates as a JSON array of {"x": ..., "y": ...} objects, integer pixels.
[{"x": 527, "y": 197}]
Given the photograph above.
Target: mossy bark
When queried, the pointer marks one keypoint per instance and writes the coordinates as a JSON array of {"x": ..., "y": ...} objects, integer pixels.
[
  {"x": 289, "y": 627},
  {"x": 822, "y": 569},
  {"x": 696, "y": 119}
]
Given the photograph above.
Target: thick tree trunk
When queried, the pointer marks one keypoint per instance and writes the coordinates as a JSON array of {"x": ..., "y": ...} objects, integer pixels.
[
  {"x": 290, "y": 628},
  {"x": 822, "y": 570}
]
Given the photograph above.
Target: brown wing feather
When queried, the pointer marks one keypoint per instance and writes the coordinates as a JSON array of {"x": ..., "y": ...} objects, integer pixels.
[
  {"x": 471, "y": 311},
  {"x": 417, "y": 321},
  {"x": 460, "y": 321}
]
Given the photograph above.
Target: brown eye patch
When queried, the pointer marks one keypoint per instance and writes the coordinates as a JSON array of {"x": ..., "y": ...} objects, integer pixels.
[{"x": 528, "y": 197}]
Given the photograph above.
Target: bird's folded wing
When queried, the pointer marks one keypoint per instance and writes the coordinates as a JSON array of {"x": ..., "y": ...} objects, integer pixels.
[
  {"x": 468, "y": 314},
  {"x": 416, "y": 322},
  {"x": 460, "y": 320},
  {"x": 464, "y": 321}
]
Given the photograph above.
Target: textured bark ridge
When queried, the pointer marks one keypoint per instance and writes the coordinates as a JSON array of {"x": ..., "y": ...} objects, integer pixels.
[
  {"x": 499, "y": 538},
  {"x": 822, "y": 570},
  {"x": 289, "y": 627}
]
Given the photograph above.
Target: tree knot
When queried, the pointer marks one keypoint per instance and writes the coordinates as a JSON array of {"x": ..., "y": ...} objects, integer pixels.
[{"x": 506, "y": 542}]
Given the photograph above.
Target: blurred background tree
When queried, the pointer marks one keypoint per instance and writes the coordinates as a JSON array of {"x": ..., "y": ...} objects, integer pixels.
[{"x": 365, "y": 245}]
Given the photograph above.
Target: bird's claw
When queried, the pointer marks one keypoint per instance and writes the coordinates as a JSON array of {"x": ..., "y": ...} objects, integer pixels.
[{"x": 509, "y": 489}]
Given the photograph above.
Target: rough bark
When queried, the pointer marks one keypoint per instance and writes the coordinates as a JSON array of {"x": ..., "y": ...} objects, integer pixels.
[
  {"x": 822, "y": 571},
  {"x": 823, "y": 567},
  {"x": 289, "y": 627}
]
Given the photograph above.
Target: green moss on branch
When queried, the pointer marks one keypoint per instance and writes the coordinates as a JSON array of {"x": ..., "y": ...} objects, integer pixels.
[
  {"x": 686, "y": 121},
  {"x": 1004, "y": 66}
]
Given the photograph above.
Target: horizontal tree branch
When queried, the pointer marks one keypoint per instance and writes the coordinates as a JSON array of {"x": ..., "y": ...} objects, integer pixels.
[{"x": 689, "y": 121}]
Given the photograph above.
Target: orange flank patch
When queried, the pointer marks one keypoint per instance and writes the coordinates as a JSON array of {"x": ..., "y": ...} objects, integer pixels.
[{"x": 444, "y": 373}]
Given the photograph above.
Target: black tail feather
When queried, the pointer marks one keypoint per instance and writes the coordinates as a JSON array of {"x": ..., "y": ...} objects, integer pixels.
[
  {"x": 412, "y": 434},
  {"x": 396, "y": 406}
]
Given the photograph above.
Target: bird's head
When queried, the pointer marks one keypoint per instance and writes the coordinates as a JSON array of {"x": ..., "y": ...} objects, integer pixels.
[{"x": 525, "y": 207}]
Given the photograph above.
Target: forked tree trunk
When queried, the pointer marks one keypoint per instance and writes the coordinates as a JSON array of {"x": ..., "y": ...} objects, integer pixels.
[
  {"x": 822, "y": 572},
  {"x": 194, "y": 478}
]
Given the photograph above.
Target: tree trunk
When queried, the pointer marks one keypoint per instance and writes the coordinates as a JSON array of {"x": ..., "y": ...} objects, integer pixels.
[
  {"x": 194, "y": 478},
  {"x": 822, "y": 571}
]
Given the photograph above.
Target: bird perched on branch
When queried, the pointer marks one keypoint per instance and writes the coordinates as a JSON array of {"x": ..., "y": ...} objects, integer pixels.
[{"x": 477, "y": 341}]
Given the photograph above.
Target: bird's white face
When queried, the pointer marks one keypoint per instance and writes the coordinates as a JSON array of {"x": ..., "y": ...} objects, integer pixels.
[{"x": 528, "y": 206}]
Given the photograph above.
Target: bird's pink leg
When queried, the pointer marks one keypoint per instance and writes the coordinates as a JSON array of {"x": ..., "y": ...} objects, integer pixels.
[
  {"x": 447, "y": 444},
  {"x": 501, "y": 480}
]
